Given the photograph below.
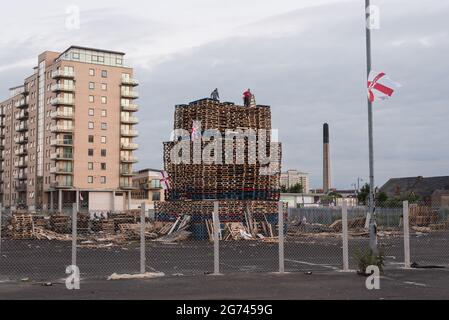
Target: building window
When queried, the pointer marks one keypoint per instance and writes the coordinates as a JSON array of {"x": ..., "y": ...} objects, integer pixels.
[
  {"x": 76, "y": 55},
  {"x": 90, "y": 179},
  {"x": 104, "y": 113},
  {"x": 103, "y": 139},
  {"x": 91, "y": 111},
  {"x": 104, "y": 126},
  {"x": 91, "y": 139},
  {"x": 119, "y": 61},
  {"x": 103, "y": 152},
  {"x": 104, "y": 100},
  {"x": 104, "y": 73},
  {"x": 91, "y": 99},
  {"x": 103, "y": 166},
  {"x": 104, "y": 86},
  {"x": 90, "y": 166},
  {"x": 92, "y": 72},
  {"x": 90, "y": 152},
  {"x": 103, "y": 180},
  {"x": 91, "y": 85},
  {"x": 100, "y": 59},
  {"x": 156, "y": 196},
  {"x": 91, "y": 125}
]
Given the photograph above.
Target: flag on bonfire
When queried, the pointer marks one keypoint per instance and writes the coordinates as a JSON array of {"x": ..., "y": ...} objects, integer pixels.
[
  {"x": 196, "y": 130},
  {"x": 165, "y": 180},
  {"x": 380, "y": 86}
]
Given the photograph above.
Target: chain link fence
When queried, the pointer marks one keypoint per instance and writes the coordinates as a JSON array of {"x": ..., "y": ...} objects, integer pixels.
[{"x": 39, "y": 247}]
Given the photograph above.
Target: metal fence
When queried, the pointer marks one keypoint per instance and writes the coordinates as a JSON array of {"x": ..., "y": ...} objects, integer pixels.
[{"x": 308, "y": 239}]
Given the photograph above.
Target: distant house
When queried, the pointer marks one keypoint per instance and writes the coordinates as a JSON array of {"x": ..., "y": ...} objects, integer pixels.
[{"x": 422, "y": 187}]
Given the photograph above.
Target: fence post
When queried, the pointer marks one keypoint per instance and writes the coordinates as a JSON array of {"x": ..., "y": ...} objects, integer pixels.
[
  {"x": 406, "y": 225},
  {"x": 344, "y": 222},
  {"x": 216, "y": 221},
  {"x": 281, "y": 236},
  {"x": 74, "y": 232},
  {"x": 1, "y": 211},
  {"x": 142, "y": 238}
]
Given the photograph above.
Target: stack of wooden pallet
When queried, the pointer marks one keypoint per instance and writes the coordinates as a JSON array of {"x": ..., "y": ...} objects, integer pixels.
[
  {"x": 422, "y": 216},
  {"x": 22, "y": 227},
  {"x": 60, "y": 223},
  {"x": 240, "y": 182}
]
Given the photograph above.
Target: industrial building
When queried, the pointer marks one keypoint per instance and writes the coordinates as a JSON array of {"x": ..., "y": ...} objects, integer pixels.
[{"x": 67, "y": 133}]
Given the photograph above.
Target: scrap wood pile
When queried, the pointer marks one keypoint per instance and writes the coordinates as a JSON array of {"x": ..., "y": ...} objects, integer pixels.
[
  {"x": 301, "y": 228},
  {"x": 250, "y": 230},
  {"x": 425, "y": 219}
]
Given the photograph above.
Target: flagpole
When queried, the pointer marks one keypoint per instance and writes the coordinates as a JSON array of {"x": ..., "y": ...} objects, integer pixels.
[{"x": 372, "y": 225}]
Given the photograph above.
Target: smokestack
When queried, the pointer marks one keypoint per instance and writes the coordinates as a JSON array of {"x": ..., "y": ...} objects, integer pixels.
[{"x": 326, "y": 160}]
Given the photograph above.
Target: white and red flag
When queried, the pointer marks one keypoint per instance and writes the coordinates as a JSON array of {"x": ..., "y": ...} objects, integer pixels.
[
  {"x": 196, "y": 130},
  {"x": 165, "y": 180},
  {"x": 380, "y": 86}
]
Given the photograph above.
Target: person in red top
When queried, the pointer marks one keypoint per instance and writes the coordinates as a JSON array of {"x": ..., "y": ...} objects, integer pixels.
[{"x": 247, "y": 98}]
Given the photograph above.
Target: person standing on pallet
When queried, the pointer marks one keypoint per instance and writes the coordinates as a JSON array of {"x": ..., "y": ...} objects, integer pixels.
[
  {"x": 214, "y": 95},
  {"x": 247, "y": 98}
]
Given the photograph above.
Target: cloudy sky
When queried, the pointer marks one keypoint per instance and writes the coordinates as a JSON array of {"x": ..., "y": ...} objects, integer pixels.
[{"x": 305, "y": 58}]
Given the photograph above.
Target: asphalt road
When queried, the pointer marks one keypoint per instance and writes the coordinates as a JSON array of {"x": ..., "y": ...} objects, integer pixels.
[
  {"x": 396, "y": 284},
  {"x": 47, "y": 260}
]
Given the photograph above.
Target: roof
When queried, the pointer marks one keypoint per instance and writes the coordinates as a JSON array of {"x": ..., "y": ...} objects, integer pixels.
[
  {"x": 423, "y": 187},
  {"x": 91, "y": 49}
]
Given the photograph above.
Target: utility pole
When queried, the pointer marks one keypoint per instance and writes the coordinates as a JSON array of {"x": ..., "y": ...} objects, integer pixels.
[{"x": 372, "y": 225}]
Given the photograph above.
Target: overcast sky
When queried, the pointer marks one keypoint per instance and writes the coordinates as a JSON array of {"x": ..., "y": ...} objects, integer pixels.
[{"x": 305, "y": 58}]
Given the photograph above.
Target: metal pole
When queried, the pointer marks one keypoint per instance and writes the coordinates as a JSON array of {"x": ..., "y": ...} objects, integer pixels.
[
  {"x": 344, "y": 222},
  {"x": 216, "y": 222},
  {"x": 372, "y": 226},
  {"x": 142, "y": 238},
  {"x": 74, "y": 233},
  {"x": 405, "y": 223},
  {"x": 281, "y": 237},
  {"x": 1, "y": 211}
]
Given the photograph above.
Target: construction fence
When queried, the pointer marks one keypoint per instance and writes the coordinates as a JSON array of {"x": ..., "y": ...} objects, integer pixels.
[{"x": 39, "y": 247}]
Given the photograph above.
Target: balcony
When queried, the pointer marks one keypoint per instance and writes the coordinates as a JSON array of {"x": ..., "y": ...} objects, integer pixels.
[
  {"x": 60, "y": 128},
  {"x": 22, "y": 127},
  {"x": 127, "y": 186},
  {"x": 22, "y": 103},
  {"x": 62, "y": 102},
  {"x": 2, "y": 123},
  {"x": 21, "y": 187},
  {"x": 21, "y": 152},
  {"x": 22, "y": 115},
  {"x": 21, "y": 164},
  {"x": 62, "y": 88},
  {"x": 128, "y": 159},
  {"x": 130, "y": 120},
  {"x": 150, "y": 186},
  {"x": 61, "y": 142},
  {"x": 61, "y": 156},
  {"x": 56, "y": 170},
  {"x": 61, "y": 115},
  {"x": 130, "y": 107},
  {"x": 130, "y": 81},
  {"x": 129, "y": 146},
  {"x": 129, "y": 133},
  {"x": 126, "y": 173},
  {"x": 61, "y": 185},
  {"x": 130, "y": 94},
  {"x": 21, "y": 176},
  {"x": 21, "y": 140},
  {"x": 2, "y": 134},
  {"x": 58, "y": 74}
]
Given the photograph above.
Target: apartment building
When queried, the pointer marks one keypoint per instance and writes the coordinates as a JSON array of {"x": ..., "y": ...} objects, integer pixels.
[
  {"x": 67, "y": 133},
  {"x": 292, "y": 177},
  {"x": 147, "y": 188}
]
